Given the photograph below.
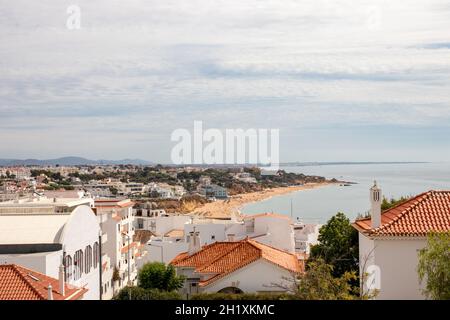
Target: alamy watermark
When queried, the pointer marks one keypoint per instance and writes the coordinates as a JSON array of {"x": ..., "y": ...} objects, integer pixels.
[{"x": 258, "y": 147}]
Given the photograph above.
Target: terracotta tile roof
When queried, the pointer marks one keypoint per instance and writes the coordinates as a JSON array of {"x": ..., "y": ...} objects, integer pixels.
[
  {"x": 223, "y": 258},
  {"x": 175, "y": 233},
  {"x": 19, "y": 283},
  {"x": 111, "y": 203},
  {"x": 427, "y": 212}
]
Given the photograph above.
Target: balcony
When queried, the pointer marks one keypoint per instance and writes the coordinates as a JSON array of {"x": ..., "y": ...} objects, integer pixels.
[{"x": 124, "y": 228}]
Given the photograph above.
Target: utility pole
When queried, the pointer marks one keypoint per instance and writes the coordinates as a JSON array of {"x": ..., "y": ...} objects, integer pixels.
[{"x": 100, "y": 267}]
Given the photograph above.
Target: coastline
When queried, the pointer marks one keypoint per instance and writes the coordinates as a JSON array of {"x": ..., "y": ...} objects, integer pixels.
[{"x": 230, "y": 208}]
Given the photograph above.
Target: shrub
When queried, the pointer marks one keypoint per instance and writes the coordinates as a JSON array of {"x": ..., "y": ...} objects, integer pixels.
[
  {"x": 242, "y": 296},
  {"x": 138, "y": 293}
]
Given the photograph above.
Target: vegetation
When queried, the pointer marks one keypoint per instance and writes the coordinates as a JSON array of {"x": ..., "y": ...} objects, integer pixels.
[
  {"x": 138, "y": 293},
  {"x": 387, "y": 204},
  {"x": 156, "y": 281},
  {"x": 115, "y": 275},
  {"x": 338, "y": 246},
  {"x": 319, "y": 283},
  {"x": 157, "y": 275},
  {"x": 242, "y": 296},
  {"x": 434, "y": 266}
]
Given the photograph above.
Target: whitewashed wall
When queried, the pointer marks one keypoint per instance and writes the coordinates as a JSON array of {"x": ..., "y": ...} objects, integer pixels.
[
  {"x": 81, "y": 230},
  {"x": 398, "y": 260},
  {"x": 258, "y": 276}
]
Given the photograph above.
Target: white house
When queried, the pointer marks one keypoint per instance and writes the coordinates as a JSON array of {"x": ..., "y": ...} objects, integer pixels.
[
  {"x": 389, "y": 242},
  {"x": 42, "y": 233},
  {"x": 212, "y": 191},
  {"x": 171, "y": 233},
  {"x": 275, "y": 230},
  {"x": 306, "y": 235},
  {"x": 235, "y": 267}
]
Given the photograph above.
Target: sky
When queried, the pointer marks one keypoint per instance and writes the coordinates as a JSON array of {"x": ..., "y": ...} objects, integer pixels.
[{"x": 342, "y": 80}]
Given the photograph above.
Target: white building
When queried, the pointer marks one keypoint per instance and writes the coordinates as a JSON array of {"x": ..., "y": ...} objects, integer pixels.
[
  {"x": 120, "y": 251},
  {"x": 389, "y": 242},
  {"x": 245, "y": 177},
  {"x": 170, "y": 233},
  {"x": 160, "y": 224},
  {"x": 235, "y": 267},
  {"x": 275, "y": 230},
  {"x": 306, "y": 235},
  {"x": 99, "y": 189},
  {"x": 130, "y": 188},
  {"x": 213, "y": 191},
  {"x": 42, "y": 233}
]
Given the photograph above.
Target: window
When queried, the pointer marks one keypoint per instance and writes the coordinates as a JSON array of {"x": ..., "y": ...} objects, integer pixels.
[
  {"x": 88, "y": 259},
  {"x": 96, "y": 254},
  {"x": 78, "y": 264},
  {"x": 67, "y": 268}
]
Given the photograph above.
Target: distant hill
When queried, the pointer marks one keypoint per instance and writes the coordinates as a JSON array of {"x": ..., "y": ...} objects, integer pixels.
[{"x": 69, "y": 161}]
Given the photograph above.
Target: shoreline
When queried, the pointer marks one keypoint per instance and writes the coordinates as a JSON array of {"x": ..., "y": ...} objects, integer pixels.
[{"x": 231, "y": 208}]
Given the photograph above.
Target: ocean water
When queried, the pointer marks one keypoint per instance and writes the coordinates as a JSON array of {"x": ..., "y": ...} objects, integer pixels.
[{"x": 318, "y": 205}]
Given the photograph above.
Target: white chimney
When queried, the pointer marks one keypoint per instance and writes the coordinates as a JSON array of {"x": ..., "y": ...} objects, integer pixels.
[
  {"x": 375, "y": 205},
  {"x": 194, "y": 242},
  {"x": 231, "y": 237},
  {"x": 61, "y": 280},
  {"x": 50, "y": 292}
]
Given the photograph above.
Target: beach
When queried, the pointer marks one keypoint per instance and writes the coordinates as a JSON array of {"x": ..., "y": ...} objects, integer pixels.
[{"x": 230, "y": 208}]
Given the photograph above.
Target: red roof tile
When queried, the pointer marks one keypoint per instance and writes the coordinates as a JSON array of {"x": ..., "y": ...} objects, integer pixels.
[
  {"x": 19, "y": 283},
  {"x": 418, "y": 216},
  {"x": 222, "y": 258}
]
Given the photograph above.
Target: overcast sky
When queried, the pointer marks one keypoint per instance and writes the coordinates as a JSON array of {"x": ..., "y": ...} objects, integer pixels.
[{"x": 342, "y": 80}]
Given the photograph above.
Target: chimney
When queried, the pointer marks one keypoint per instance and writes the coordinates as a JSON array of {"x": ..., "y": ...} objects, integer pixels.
[
  {"x": 375, "y": 205},
  {"x": 61, "y": 280},
  {"x": 50, "y": 292},
  {"x": 231, "y": 237},
  {"x": 194, "y": 242}
]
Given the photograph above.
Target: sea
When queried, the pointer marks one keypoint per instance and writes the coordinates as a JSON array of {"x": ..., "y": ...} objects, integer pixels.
[{"x": 320, "y": 204}]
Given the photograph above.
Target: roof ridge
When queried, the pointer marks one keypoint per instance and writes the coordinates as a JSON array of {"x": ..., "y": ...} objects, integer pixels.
[
  {"x": 239, "y": 244},
  {"x": 207, "y": 246},
  {"x": 419, "y": 198},
  {"x": 266, "y": 245},
  {"x": 273, "y": 248},
  {"x": 242, "y": 264}
]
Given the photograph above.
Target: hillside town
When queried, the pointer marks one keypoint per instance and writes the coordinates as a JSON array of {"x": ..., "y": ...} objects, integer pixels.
[{"x": 89, "y": 233}]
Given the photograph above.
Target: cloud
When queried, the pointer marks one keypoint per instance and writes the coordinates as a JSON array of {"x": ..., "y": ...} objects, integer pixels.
[{"x": 137, "y": 70}]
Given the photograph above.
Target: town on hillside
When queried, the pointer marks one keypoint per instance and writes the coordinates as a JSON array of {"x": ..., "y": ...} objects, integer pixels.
[{"x": 160, "y": 232}]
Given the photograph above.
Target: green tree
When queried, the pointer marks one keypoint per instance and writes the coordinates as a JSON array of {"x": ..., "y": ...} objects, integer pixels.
[
  {"x": 387, "y": 204},
  {"x": 138, "y": 293},
  {"x": 434, "y": 266},
  {"x": 157, "y": 275},
  {"x": 318, "y": 283},
  {"x": 338, "y": 245},
  {"x": 113, "y": 190}
]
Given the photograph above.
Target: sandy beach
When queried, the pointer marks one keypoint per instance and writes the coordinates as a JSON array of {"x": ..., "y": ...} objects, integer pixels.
[{"x": 221, "y": 209}]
